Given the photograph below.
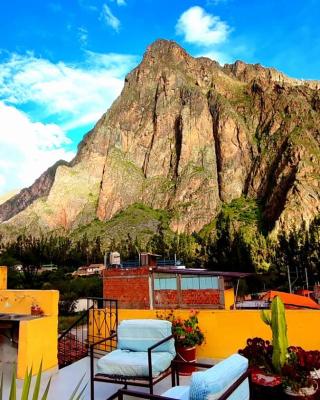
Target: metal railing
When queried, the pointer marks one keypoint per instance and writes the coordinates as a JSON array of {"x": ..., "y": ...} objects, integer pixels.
[
  {"x": 102, "y": 321},
  {"x": 131, "y": 264},
  {"x": 164, "y": 262},
  {"x": 99, "y": 320}
]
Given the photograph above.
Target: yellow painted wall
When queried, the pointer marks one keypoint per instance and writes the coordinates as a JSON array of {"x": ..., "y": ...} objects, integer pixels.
[
  {"x": 20, "y": 301},
  {"x": 228, "y": 298},
  {"x": 226, "y": 331},
  {"x": 38, "y": 340},
  {"x": 3, "y": 277}
]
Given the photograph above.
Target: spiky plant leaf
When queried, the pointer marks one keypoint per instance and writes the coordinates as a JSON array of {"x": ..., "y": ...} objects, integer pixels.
[
  {"x": 79, "y": 397},
  {"x": 1, "y": 386},
  {"x": 26, "y": 384},
  {"x": 36, "y": 390},
  {"x": 45, "y": 394},
  {"x": 74, "y": 393},
  {"x": 13, "y": 388}
]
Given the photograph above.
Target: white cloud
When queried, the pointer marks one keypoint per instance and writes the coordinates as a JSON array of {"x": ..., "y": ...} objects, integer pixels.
[
  {"x": 87, "y": 5},
  {"x": 83, "y": 36},
  {"x": 27, "y": 148},
  {"x": 109, "y": 18},
  {"x": 71, "y": 95},
  {"x": 201, "y": 28}
]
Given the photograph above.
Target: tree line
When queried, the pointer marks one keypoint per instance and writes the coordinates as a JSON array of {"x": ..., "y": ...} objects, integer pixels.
[{"x": 227, "y": 247}]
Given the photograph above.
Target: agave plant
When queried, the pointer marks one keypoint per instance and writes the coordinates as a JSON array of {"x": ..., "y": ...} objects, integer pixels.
[{"x": 26, "y": 389}]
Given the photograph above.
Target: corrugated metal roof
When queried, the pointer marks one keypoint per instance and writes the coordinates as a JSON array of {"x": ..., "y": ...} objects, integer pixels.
[{"x": 200, "y": 271}]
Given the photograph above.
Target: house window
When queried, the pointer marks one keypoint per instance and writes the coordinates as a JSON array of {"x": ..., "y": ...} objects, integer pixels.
[
  {"x": 165, "y": 282},
  {"x": 199, "y": 282}
]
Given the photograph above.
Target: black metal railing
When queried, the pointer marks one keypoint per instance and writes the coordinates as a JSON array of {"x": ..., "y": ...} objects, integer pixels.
[
  {"x": 99, "y": 320},
  {"x": 102, "y": 322},
  {"x": 165, "y": 262}
]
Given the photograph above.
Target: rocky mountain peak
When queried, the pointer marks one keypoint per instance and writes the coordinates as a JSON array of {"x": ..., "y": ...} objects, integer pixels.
[
  {"x": 188, "y": 135},
  {"x": 162, "y": 49}
]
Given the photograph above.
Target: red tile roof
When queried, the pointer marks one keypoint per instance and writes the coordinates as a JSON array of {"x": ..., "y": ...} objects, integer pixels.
[{"x": 292, "y": 300}]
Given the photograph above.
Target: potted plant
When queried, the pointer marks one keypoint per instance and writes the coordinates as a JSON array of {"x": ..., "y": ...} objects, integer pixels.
[
  {"x": 36, "y": 310},
  {"x": 187, "y": 335},
  {"x": 259, "y": 354},
  {"x": 299, "y": 374},
  {"x": 265, "y": 382}
]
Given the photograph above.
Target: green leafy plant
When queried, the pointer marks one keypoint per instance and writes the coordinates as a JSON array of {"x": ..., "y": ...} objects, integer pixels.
[
  {"x": 186, "y": 331},
  {"x": 277, "y": 322},
  {"x": 259, "y": 354},
  {"x": 35, "y": 395}
]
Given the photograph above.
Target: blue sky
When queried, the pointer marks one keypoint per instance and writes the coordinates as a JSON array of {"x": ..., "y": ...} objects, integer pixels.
[{"x": 63, "y": 61}]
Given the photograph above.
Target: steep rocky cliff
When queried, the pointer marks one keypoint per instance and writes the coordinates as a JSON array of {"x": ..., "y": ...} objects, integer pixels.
[{"x": 186, "y": 135}]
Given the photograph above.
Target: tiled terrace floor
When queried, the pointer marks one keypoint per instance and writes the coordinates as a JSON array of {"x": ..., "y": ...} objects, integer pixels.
[{"x": 65, "y": 380}]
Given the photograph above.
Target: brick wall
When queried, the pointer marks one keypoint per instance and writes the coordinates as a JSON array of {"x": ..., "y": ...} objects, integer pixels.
[
  {"x": 197, "y": 297},
  {"x": 166, "y": 298},
  {"x": 202, "y": 296},
  {"x": 127, "y": 285},
  {"x": 130, "y": 286}
]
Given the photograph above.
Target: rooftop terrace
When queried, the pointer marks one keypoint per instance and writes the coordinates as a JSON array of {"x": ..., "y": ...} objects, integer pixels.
[{"x": 65, "y": 380}]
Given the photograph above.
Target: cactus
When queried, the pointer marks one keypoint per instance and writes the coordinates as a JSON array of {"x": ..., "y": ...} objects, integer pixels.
[{"x": 277, "y": 322}]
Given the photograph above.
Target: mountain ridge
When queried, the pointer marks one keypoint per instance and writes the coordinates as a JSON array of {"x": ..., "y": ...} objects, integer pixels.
[{"x": 188, "y": 135}]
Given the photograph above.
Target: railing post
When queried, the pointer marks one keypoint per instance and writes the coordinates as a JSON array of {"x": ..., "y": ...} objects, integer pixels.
[
  {"x": 91, "y": 374},
  {"x": 150, "y": 371}
]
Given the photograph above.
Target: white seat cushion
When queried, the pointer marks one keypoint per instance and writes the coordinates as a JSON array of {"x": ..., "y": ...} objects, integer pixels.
[
  {"x": 133, "y": 363},
  {"x": 178, "y": 392},
  {"x": 139, "y": 334}
]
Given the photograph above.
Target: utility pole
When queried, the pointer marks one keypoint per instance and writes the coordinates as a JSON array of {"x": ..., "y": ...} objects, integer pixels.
[
  {"x": 289, "y": 279},
  {"x": 307, "y": 280}
]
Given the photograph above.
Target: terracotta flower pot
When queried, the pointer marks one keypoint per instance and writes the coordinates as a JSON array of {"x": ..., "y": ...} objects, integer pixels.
[
  {"x": 265, "y": 386},
  {"x": 187, "y": 354}
]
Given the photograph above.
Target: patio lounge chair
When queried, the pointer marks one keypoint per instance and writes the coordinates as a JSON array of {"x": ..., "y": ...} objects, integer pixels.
[
  {"x": 226, "y": 380},
  {"x": 143, "y": 355}
]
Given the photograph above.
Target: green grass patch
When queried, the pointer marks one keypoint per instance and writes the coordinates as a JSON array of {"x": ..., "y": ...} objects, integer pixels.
[
  {"x": 243, "y": 209},
  {"x": 138, "y": 220}
]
